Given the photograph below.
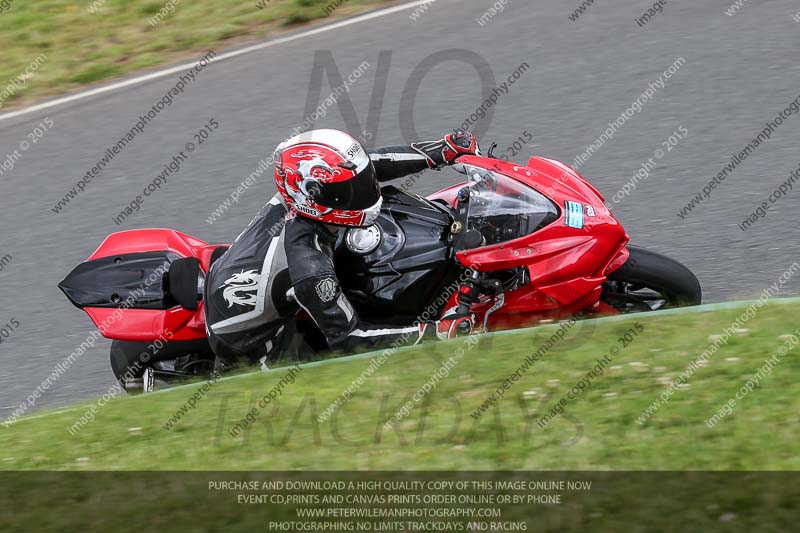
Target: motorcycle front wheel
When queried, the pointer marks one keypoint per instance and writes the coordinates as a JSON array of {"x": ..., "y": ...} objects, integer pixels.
[{"x": 649, "y": 281}]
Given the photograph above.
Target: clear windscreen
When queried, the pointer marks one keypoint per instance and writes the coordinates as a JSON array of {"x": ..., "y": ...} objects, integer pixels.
[{"x": 502, "y": 209}]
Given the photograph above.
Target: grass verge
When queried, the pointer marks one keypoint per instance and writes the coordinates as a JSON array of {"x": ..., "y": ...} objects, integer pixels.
[
  {"x": 52, "y": 46},
  {"x": 597, "y": 432}
]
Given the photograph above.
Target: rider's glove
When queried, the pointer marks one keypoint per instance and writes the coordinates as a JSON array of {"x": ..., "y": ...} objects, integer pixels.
[
  {"x": 445, "y": 151},
  {"x": 460, "y": 143}
]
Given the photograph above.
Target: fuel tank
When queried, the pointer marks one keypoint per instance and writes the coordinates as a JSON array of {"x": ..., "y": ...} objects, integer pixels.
[{"x": 401, "y": 265}]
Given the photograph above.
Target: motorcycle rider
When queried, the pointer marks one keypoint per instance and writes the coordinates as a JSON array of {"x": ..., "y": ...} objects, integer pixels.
[{"x": 283, "y": 260}]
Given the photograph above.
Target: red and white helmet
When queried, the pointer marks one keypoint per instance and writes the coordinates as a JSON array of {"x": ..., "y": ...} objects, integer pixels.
[{"x": 327, "y": 175}]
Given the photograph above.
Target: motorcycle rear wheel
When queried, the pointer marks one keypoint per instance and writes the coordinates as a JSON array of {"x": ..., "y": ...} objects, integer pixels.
[
  {"x": 649, "y": 281},
  {"x": 195, "y": 359}
]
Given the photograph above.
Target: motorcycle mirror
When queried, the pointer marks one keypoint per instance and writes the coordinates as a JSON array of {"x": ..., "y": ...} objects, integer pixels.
[
  {"x": 490, "y": 152},
  {"x": 460, "y": 168}
]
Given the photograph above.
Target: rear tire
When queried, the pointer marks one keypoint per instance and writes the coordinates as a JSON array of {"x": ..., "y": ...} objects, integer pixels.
[
  {"x": 124, "y": 356},
  {"x": 649, "y": 281},
  {"x": 129, "y": 360}
]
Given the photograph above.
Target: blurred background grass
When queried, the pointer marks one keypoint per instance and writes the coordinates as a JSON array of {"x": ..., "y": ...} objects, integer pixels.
[
  {"x": 84, "y": 47},
  {"x": 598, "y": 431}
]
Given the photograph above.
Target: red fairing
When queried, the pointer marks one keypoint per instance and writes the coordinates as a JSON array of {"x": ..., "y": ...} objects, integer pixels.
[
  {"x": 148, "y": 240},
  {"x": 150, "y": 324},
  {"x": 567, "y": 265}
]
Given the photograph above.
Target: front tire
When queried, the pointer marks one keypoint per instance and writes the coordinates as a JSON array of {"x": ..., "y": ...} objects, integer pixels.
[{"x": 649, "y": 281}]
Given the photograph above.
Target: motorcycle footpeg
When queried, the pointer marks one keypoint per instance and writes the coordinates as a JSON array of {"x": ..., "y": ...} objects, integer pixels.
[{"x": 148, "y": 380}]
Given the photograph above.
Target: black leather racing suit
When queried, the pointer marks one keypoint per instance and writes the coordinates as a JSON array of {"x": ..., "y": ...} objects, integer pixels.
[{"x": 281, "y": 263}]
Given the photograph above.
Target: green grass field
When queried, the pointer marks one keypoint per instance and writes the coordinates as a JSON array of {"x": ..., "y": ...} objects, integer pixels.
[
  {"x": 88, "y": 41},
  {"x": 597, "y": 432}
]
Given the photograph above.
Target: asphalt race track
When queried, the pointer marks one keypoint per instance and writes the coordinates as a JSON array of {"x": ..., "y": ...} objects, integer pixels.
[{"x": 736, "y": 74}]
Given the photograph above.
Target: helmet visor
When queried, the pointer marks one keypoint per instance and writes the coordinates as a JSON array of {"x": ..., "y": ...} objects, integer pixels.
[{"x": 358, "y": 193}]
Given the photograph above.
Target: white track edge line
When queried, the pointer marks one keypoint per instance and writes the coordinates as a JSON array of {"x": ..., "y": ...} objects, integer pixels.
[
  {"x": 368, "y": 355},
  {"x": 227, "y": 55}
]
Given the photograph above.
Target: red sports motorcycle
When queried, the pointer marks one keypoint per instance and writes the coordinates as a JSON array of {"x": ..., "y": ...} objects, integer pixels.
[{"x": 514, "y": 244}]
